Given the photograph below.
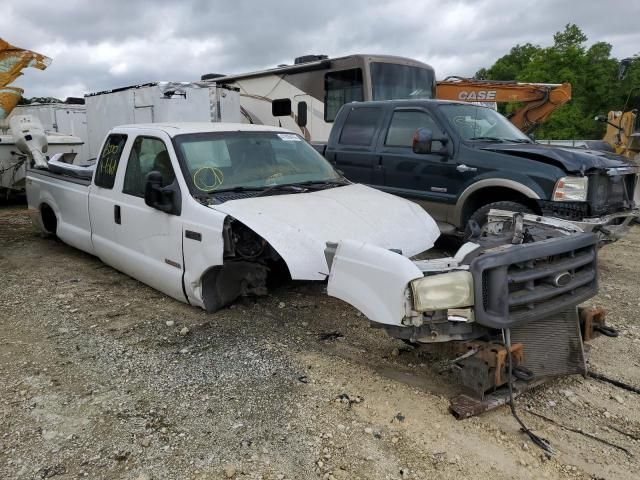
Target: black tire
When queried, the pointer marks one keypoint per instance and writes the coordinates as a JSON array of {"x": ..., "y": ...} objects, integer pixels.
[{"x": 480, "y": 215}]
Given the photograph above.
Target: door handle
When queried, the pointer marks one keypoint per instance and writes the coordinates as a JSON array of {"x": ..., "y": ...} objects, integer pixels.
[
  {"x": 463, "y": 168},
  {"x": 116, "y": 214}
]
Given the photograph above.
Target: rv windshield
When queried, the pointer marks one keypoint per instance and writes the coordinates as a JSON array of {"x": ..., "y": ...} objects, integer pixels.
[
  {"x": 391, "y": 81},
  {"x": 479, "y": 123},
  {"x": 223, "y": 161}
]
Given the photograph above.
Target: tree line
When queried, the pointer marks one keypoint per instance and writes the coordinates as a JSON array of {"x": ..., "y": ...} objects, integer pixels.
[{"x": 593, "y": 73}]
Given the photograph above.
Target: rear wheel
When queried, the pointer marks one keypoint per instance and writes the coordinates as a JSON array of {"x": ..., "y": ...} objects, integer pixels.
[
  {"x": 481, "y": 214},
  {"x": 49, "y": 220}
]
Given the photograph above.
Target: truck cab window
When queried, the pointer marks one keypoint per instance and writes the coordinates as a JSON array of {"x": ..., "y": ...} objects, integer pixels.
[
  {"x": 341, "y": 87},
  {"x": 108, "y": 161},
  {"x": 405, "y": 123},
  {"x": 147, "y": 154},
  {"x": 360, "y": 126}
]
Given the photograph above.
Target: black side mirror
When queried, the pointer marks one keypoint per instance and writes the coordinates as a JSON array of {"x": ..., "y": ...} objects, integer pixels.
[
  {"x": 166, "y": 199},
  {"x": 422, "y": 140}
]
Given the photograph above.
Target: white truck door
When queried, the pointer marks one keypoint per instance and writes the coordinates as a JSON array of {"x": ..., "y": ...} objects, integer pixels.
[
  {"x": 149, "y": 240},
  {"x": 103, "y": 197}
]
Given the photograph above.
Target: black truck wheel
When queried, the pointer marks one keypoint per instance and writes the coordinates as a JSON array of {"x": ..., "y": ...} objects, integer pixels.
[{"x": 480, "y": 215}]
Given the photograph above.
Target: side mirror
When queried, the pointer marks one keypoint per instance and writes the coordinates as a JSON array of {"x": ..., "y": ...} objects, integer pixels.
[
  {"x": 422, "y": 139},
  {"x": 159, "y": 197},
  {"x": 601, "y": 118}
]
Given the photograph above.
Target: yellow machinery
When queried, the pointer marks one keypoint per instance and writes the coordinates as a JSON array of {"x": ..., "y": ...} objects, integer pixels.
[
  {"x": 539, "y": 99},
  {"x": 12, "y": 61},
  {"x": 623, "y": 127}
]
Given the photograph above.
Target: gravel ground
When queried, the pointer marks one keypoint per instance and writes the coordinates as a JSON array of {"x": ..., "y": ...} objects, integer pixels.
[{"x": 103, "y": 377}]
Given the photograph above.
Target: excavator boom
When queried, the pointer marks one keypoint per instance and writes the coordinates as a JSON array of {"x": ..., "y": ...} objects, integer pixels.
[
  {"x": 539, "y": 99},
  {"x": 12, "y": 61}
]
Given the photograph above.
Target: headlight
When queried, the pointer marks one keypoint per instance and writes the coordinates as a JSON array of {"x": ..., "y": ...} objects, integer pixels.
[
  {"x": 442, "y": 291},
  {"x": 571, "y": 189}
]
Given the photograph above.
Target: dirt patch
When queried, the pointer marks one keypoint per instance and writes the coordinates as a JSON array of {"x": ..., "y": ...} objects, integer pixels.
[{"x": 100, "y": 379}]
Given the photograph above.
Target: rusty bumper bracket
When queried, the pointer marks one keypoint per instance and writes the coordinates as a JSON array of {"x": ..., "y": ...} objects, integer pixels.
[
  {"x": 464, "y": 406},
  {"x": 593, "y": 323}
]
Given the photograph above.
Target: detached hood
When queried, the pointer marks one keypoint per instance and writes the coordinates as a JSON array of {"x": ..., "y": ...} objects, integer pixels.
[
  {"x": 298, "y": 226},
  {"x": 572, "y": 160}
]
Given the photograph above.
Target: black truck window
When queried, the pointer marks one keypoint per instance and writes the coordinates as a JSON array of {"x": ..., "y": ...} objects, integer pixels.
[
  {"x": 360, "y": 126},
  {"x": 109, "y": 159},
  {"x": 405, "y": 123},
  {"x": 147, "y": 154},
  {"x": 341, "y": 87}
]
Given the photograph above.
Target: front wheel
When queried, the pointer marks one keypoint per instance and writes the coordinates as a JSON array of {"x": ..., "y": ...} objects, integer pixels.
[{"x": 480, "y": 216}]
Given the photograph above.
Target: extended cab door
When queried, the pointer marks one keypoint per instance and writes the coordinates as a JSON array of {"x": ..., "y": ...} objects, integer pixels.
[
  {"x": 429, "y": 179},
  {"x": 134, "y": 238},
  {"x": 354, "y": 151}
]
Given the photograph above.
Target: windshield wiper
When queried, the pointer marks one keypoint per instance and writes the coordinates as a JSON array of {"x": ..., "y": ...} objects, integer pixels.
[
  {"x": 489, "y": 139},
  {"x": 239, "y": 188},
  {"x": 518, "y": 140},
  {"x": 304, "y": 186},
  {"x": 294, "y": 187}
]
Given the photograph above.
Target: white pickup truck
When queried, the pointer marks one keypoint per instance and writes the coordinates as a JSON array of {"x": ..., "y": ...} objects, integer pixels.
[
  {"x": 208, "y": 212},
  {"x": 199, "y": 211}
]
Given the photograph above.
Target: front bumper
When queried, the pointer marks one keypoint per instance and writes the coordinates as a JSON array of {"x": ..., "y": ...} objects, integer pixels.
[{"x": 609, "y": 228}]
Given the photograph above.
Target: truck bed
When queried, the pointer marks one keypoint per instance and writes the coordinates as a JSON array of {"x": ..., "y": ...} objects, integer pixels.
[{"x": 68, "y": 197}]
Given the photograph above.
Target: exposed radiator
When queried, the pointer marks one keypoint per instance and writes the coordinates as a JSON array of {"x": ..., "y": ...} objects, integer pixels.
[{"x": 553, "y": 345}]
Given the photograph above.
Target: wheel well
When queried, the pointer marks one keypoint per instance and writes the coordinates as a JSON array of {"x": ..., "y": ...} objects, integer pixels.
[
  {"x": 49, "y": 219},
  {"x": 488, "y": 195}
]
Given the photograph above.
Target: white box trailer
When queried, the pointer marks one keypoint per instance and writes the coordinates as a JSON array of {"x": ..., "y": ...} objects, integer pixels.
[{"x": 158, "y": 102}]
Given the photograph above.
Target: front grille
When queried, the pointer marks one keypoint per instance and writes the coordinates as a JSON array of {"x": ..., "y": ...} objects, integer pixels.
[
  {"x": 565, "y": 210},
  {"x": 515, "y": 285},
  {"x": 610, "y": 193}
]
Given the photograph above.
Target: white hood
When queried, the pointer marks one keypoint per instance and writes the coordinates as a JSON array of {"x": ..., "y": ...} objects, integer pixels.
[{"x": 298, "y": 226}]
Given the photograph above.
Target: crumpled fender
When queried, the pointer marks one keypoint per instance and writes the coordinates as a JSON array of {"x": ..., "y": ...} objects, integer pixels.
[{"x": 298, "y": 226}]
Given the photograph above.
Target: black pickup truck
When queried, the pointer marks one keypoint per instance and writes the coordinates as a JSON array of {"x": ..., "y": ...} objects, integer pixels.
[{"x": 459, "y": 160}]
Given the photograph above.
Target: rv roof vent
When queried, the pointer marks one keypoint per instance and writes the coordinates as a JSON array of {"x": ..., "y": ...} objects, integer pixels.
[
  {"x": 211, "y": 76},
  {"x": 309, "y": 58}
]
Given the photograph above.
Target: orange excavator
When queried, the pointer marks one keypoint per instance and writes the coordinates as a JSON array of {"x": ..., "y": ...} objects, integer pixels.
[
  {"x": 12, "y": 61},
  {"x": 539, "y": 99}
]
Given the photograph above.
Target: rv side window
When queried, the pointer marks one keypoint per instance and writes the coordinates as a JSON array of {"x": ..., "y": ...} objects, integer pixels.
[
  {"x": 341, "y": 87},
  {"x": 302, "y": 114},
  {"x": 360, "y": 126},
  {"x": 281, "y": 107},
  {"x": 108, "y": 162}
]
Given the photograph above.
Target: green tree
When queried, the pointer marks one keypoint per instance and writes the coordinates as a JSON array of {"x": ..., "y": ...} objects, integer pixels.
[{"x": 592, "y": 72}]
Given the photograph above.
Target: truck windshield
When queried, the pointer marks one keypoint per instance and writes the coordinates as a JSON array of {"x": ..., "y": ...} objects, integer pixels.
[
  {"x": 222, "y": 161},
  {"x": 390, "y": 81},
  {"x": 474, "y": 122}
]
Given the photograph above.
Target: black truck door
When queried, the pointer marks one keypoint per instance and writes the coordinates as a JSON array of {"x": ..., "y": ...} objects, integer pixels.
[
  {"x": 354, "y": 151},
  {"x": 425, "y": 178}
]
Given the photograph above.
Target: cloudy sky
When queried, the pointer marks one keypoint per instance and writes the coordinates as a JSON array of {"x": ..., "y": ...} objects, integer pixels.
[{"x": 110, "y": 43}]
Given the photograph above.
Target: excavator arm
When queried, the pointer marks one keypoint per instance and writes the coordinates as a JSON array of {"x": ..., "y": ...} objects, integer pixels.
[
  {"x": 539, "y": 99},
  {"x": 12, "y": 61}
]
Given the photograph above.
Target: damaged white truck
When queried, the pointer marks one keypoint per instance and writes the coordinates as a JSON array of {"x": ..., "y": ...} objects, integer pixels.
[{"x": 206, "y": 213}]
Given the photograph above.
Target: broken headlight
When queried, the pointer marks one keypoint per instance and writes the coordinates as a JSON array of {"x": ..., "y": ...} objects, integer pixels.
[
  {"x": 571, "y": 189},
  {"x": 443, "y": 291}
]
